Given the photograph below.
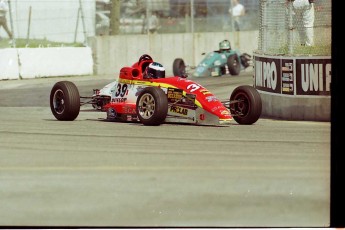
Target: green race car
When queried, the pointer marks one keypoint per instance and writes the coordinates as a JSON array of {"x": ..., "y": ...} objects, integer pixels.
[{"x": 216, "y": 63}]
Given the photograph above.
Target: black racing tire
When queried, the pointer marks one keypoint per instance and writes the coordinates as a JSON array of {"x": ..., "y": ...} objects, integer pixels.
[
  {"x": 234, "y": 65},
  {"x": 65, "y": 101},
  {"x": 179, "y": 67},
  {"x": 152, "y": 106},
  {"x": 245, "y": 59},
  {"x": 245, "y": 105}
]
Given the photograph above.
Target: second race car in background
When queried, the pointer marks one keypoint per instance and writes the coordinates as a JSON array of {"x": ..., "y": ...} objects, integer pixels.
[{"x": 216, "y": 63}]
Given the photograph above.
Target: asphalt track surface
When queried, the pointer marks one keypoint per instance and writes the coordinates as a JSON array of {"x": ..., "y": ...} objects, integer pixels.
[{"x": 92, "y": 173}]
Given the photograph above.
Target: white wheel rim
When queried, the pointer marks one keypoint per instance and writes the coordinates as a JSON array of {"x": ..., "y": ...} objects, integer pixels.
[{"x": 147, "y": 106}]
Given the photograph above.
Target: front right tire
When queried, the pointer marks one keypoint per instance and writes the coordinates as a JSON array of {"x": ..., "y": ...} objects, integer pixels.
[{"x": 245, "y": 105}]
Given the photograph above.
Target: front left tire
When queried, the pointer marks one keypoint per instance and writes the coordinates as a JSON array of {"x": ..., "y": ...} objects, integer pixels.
[
  {"x": 152, "y": 106},
  {"x": 65, "y": 101}
]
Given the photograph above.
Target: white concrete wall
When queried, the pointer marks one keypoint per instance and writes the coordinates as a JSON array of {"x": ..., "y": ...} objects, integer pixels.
[
  {"x": 9, "y": 68},
  {"x": 45, "y": 62},
  {"x": 111, "y": 53}
]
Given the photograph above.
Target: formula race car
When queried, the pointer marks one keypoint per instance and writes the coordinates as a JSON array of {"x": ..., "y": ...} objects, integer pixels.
[
  {"x": 143, "y": 94},
  {"x": 216, "y": 63}
]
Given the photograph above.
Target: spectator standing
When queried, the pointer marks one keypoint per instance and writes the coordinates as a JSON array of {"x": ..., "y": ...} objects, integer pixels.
[
  {"x": 304, "y": 20},
  {"x": 236, "y": 11},
  {"x": 153, "y": 23},
  {"x": 3, "y": 21}
]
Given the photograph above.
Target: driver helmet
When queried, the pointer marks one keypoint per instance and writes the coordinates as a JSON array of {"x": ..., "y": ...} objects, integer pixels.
[
  {"x": 224, "y": 45},
  {"x": 154, "y": 70}
]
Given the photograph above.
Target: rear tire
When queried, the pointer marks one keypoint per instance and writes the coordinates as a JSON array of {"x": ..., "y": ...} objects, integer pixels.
[
  {"x": 152, "y": 106},
  {"x": 179, "y": 67},
  {"x": 234, "y": 65},
  {"x": 247, "y": 109},
  {"x": 65, "y": 101},
  {"x": 245, "y": 59}
]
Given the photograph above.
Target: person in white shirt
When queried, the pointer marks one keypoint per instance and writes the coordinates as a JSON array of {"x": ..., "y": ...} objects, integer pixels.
[
  {"x": 304, "y": 20},
  {"x": 3, "y": 21},
  {"x": 236, "y": 11},
  {"x": 153, "y": 24}
]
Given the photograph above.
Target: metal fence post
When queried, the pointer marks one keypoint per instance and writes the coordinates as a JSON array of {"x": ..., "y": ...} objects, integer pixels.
[
  {"x": 29, "y": 26},
  {"x": 11, "y": 21},
  {"x": 76, "y": 27},
  {"x": 291, "y": 28},
  {"x": 83, "y": 21}
]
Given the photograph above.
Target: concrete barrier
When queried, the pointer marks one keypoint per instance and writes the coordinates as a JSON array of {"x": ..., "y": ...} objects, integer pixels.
[
  {"x": 108, "y": 54},
  {"x": 29, "y": 63},
  {"x": 294, "y": 88},
  {"x": 9, "y": 68},
  {"x": 59, "y": 61},
  {"x": 111, "y": 53}
]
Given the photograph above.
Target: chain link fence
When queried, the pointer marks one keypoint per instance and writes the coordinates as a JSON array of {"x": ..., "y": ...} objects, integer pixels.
[
  {"x": 50, "y": 22},
  {"x": 71, "y": 22},
  {"x": 283, "y": 30},
  {"x": 176, "y": 16}
]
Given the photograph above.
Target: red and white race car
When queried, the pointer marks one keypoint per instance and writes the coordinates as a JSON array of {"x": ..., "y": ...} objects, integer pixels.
[{"x": 155, "y": 100}]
